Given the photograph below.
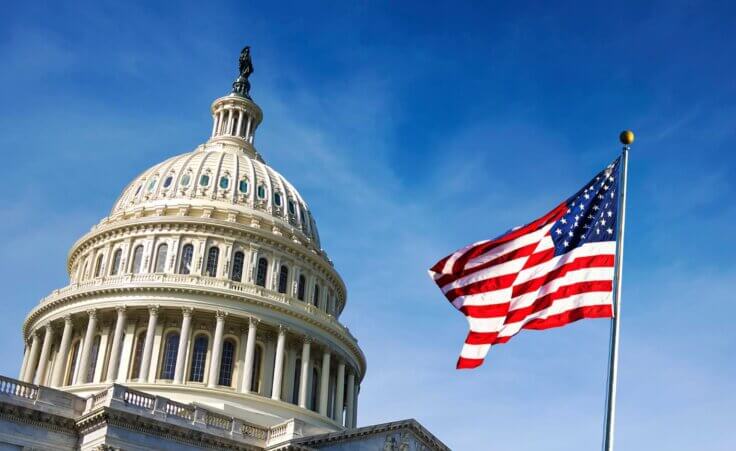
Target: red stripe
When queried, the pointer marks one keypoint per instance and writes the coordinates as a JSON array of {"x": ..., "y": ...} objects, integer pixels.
[
  {"x": 561, "y": 293},
  {"x": 486, "y": 311},
  {"x": 480, "y": 338},
  {"x": 524, "y": 251},
  {"x": 594, "y": 261},
  {"x": 464, "y": 364},
  {"x": 440, "y": 265},
  {"x": 482, "y": 286},
  {"x": 539, "y": 257},
  {"x": 481, "y": 249},
  {"x": 570, "y": 316}
]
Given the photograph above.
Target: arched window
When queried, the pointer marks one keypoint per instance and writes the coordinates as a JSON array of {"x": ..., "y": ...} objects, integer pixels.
[
  {"x": 167, "y": 181},
  {"x": 283, "y": 278},
  {"x": 243, "y": 186},
  {"x": 316, "y": 295},
  {"x": 185, "y": 265},
  {"x": 277, "y": 198},
  {"x": 140, "y": 343},
  {"x": 171, "y": 350},
  {"x": 93, "y": 353},
  {"x": 98, "y": 265},
  {"x": 300, "y": 287},
  {"x": 261, "y": 272},
  {"x": 297, "y": 380},
  {"x": 224, "y": 182},
  {"x": 161, "y": 252},
  {"x": 204, "y": 180},
  {"x": 238, "y": 260},
  {"x": 138, "y": 259},
  {"x": 199, "y": 358},
  {"x": 255, "y": 382},
  {"x": 84, "y": 270},
  {"x": 72, "y": 363},
  {"x": 212, "y": 256},
  {"x": 186, "y": 179},
  {"x": 261, "y": 192},
  {"x": 315, "y": 389},
  {"x": 116, "y": 262},
  {"x": 226, "y": 363}
]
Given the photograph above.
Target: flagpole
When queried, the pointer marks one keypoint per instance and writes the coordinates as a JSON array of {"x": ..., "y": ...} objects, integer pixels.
[{"x": 626, "y": 138}]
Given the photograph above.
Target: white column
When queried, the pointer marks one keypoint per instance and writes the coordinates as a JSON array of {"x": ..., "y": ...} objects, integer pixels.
[
  {"x": 278, "y": 370},
  {"x": 181, "y": 353},
  {"x": 214, "y": 375},
  {"x": 105, "y": 338},
  {"x": 126, "y": 352},
  {"x": 214, "y": 125},
  {"x": 250, "y": 349},
  {"x": 239, "y": 127},
  {"x": 117, "y": 339},
  {"x": 148, "y": 345},
  {"x": 48, "y": 338},
  {"x": 355, "y": 406},
  {"x": 32, "y": 359},
  {"x": 229, "y": 123},
  {"x": 26, "y": 351},
  {"x": 340, "y": 393},
  {"x": 350, "y": 395},
  {"x": 247, "y": 129},
  {"x": 57, "y": 378},
  {"x": 89, "y": 337},
  {"x": 304, "y": 388},
  {"x": 324, "y": 383}
]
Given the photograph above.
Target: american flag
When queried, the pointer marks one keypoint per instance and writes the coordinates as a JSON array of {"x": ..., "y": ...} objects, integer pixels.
[{"x": 548, "y": 273}]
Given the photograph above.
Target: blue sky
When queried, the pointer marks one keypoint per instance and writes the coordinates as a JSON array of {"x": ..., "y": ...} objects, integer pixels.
[{"x": 413, "y": 129}]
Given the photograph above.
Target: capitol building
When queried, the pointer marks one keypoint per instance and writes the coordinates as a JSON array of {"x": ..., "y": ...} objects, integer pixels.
[{"x": 201, "y": 313}]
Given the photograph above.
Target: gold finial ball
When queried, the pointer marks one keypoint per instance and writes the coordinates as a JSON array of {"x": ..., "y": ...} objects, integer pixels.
[{"x": 626, "y": 137}]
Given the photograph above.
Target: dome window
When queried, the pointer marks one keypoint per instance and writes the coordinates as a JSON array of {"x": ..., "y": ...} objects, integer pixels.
[
  {"x": 138, "y": 190},
  {"x": 151, "y": 184},
  {"x": 204, "y": 180},
  {"x": 167, "y": 181},
  {"x": 277, "y": 199},
  {"x": 292, "y": 207},
  {"x": 261, "y": 191},
  {"x": 224, "y": 182},
  {"x": 243, "y": 186},
  {"x": 185, "y": 180}
]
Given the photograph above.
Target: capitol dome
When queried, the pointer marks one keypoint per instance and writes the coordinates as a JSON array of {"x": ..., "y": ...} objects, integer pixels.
[{"x": 207, "y": 285}]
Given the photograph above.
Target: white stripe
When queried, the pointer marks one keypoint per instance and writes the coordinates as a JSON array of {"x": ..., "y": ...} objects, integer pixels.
[
  {"x": 559, "y": 306},
  {"x": 586, "y": 250},
  {"x": 502, "y": 269},
  {"x": 487, "y": 298},
  {"x": 457, "y": 254},
  {"x": 505, "y": 248},
  {"x": 579, "y": 275},
  {"x": 486, "y": 324},
  {"x": 474, "y": 351}
]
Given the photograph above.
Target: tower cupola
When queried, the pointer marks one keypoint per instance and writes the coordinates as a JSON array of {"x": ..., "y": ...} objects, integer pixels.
[{"x": 235, "y": 117}]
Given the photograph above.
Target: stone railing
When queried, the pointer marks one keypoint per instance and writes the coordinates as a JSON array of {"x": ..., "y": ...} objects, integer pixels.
[
  {"x": 17, "y": 388},
  {"x": 54, "y": 401},
  {"x": 194, "y": 281},
  {"x": 191, "y": 416}
]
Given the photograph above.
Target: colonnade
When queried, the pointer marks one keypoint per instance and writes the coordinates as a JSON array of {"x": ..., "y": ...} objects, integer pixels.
[
  {"x": 233, "y": 121},
  {"x": 295, "y": 369}
]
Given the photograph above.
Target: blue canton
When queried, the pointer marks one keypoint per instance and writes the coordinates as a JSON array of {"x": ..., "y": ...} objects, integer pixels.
[{"x": 591, "y": 212}]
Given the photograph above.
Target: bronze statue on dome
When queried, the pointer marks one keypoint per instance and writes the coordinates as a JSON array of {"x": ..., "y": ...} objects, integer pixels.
[{"x": 245, "y": 68}]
